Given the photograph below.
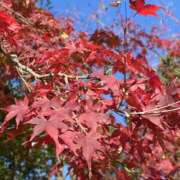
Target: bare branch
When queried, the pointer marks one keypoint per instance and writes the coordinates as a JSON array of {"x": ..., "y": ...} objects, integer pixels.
[
  {"x": 28, "y": 86},
  {"x": 157, "y": 109},
  {"x": 15, "y": 60},
  {"x": 155, "y": 112}
]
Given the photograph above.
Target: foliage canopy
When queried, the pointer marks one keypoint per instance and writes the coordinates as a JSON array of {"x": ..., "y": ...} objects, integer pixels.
[{"x": 68, "y": 94}]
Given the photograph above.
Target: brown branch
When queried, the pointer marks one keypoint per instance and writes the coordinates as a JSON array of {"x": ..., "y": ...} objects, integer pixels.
[
  {"x": 22, "y": 67},
  {"x": 82, "y": 128},
  {"x": 157, "y": 110},
  {"x": 154, "y": 112},
  {"x": 36, "y": 75},
  {"x": 163, "y": 107},
  {"x": 28, "y": 86},
  {"x": 125, "y": 49}
]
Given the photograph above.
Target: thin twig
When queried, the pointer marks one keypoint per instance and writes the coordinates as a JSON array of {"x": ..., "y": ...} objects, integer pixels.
[
  {"x": 36, "y": 75},
  {"x": 155, "y": 112},
  {"x": 163, "y": 107},
  {"x": 29, "y": 88},
  {"x": 82, "y": 128},
  {"x": 157, "y": 109},
  {"x": 15, "y": 60},
  {"x": 125, "y": 57}
]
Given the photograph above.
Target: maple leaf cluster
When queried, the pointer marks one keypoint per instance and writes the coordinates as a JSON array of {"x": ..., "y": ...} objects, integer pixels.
[
  {"x": 71, "y": 93},
  {"x": 144, "y": 9}
]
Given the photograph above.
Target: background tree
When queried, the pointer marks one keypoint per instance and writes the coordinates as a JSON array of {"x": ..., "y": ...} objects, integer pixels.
[{"x": 169, "y": 68}]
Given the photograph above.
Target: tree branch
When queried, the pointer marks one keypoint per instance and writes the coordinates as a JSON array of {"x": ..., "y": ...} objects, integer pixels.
[
  {"x": 154, "y": 112},
  {"x": 36, "y": 75},
  {"x": 157, "y": 110}
]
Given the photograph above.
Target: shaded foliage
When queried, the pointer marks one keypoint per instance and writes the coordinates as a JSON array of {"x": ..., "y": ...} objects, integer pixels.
[{"x": 169, "y": 68}]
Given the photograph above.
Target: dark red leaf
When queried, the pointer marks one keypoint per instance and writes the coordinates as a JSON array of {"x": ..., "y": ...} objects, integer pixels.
[
  {"x": 90, "y": 145},
  {"x": 18, "y": 110},
  {"x": 8, "y": 23},
  {"x": 144, "y": 9}
]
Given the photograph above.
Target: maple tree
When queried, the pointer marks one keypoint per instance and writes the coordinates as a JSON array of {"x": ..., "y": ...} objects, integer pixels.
[{"x": 69, "y": 94}]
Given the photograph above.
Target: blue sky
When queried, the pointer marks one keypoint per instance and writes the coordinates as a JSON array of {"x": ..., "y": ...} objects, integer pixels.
[{"x": 83, "y": 11}]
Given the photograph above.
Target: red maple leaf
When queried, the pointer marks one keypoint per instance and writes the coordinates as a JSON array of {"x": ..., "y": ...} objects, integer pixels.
[
  {"x": 51, "y": 127},
  {"x": 144, "y": 9},
  {"x": 120, "y": 174},
  {"x": 18, "y": 110},
  {"x": 90, "y": 145},
  {"x": 8, "y": 23},
  {"x": 165, "y": 165},
  {"x": 69, "y": 138},
  {"x": 92, "y": 119},
  {"x": 155, "y": 120}
]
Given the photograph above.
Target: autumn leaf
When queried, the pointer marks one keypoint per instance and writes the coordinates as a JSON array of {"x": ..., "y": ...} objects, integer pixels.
[
  {"x": 165, "y": 165},
  {"x": 70, "y": 140},
  {"x": 18, "y": 110},
  {"x": 92, "y": 119},
  {"x": 144, "y": 9},
  {"x": 90, "y": 145},
  {"x": 8, "y": 23},
  {"x": 121, "y": 175},
  {"x": 155, "y": 120},
  {"x": 105, "y": 37},
  {"x": 78, "y": 79},
  {"x": 51, "y": 127},
  {"x": 64, "y": 35}
]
